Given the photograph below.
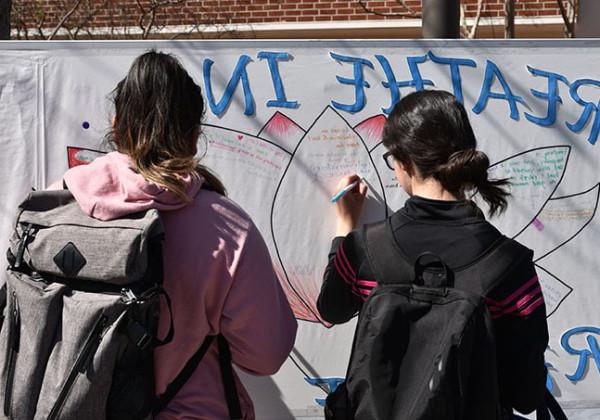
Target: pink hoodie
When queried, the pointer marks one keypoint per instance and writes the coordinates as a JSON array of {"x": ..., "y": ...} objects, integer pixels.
[{"x": 219, "y": 276}]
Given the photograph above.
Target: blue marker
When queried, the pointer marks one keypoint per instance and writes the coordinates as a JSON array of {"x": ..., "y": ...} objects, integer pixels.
[{"x": 344, "y": 190}]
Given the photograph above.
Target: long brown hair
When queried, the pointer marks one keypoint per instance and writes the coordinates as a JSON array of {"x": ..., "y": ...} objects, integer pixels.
[{"x": 158, "y": 112}]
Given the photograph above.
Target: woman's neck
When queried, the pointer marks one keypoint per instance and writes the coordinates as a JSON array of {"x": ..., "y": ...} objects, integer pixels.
[{"x": 432, "y": 189}]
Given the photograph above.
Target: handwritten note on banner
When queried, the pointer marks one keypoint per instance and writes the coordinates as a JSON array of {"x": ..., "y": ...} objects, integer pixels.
[{"x": 286, "y": 120}]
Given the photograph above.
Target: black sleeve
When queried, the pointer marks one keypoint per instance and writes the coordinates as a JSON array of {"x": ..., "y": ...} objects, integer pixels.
[
  {"x": 519, "y": 314},
  {"x": 347, "y": 281}
]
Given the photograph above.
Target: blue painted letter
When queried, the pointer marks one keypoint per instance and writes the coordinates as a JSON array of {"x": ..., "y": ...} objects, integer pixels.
[
  {"x": 413, "y": 65},
  {"x": 391, "y": 83},
  {"x": 549, "y": 380},
  {"x": 492, "y": 72},
  {"x": 238, "y": 73},
  {"x": 417, "y": 81},
  {"x": 454, "y": 64},
  {"x": 358, "y": 82},
  {"x": 584, "y": 355},
  {"x": 326, "y": 384},
  {"x": 272, "y": 58},
  {"x": 551, "y": 96},
  {"x": 588, "y": 109}
]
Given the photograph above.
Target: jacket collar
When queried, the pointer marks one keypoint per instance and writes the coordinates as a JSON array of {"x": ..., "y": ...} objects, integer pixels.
[{"x": 426, "y": 209}]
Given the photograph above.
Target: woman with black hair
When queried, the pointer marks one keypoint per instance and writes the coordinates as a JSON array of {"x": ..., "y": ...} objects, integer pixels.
[{"x": 433, "y": 151}]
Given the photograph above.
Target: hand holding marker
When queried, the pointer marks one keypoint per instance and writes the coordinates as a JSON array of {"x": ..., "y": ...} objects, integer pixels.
[
  {"x": 349, "y": 209},
  {"x": 344, "y": 190}
]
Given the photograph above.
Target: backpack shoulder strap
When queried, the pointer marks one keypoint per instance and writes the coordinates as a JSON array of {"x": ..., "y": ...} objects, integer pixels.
[
  {"x": 495, "y": 263},
  {"x": 182, "y": 377},
  {"x": 551, "y": 406},
  {"x": 231, "y": 395},
  {"x": 387, "y": 260}
]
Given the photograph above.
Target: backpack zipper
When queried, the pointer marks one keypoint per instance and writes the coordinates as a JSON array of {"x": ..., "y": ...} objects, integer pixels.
[
  {"x": 46, "y": 226},
  {"x": 13, "y": 349},
  {"x": 31, "y": 229},
  {"x": 3, "y": 304},
  {"x": 84, "y": 358}
]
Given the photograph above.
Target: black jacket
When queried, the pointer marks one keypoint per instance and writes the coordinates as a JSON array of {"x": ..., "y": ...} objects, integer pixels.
[{"x": 458, "y": 232}]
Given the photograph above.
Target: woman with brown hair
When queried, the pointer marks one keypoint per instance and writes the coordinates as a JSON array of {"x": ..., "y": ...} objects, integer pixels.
[{"x": 217, "y": 269}]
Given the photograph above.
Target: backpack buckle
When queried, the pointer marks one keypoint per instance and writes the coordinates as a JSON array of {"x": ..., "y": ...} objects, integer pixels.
[
  {"x": 144, "y": 341},
  {"x": 28, "y": 234},
  {"x": 128, "y": 296},
  {"x": 138, "y": 334}
]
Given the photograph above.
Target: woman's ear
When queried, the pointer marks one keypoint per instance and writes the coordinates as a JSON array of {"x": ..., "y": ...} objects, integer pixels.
[{"x": 405, "y": 167}]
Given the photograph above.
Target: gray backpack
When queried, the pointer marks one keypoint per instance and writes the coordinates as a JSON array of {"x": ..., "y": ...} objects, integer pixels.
[{"x": 80, "y": 313}]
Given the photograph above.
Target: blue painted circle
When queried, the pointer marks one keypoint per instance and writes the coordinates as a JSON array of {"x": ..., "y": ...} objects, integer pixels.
[{"x": 85, "y": 125}]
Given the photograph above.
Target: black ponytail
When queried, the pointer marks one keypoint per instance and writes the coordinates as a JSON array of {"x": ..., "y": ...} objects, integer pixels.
[
  {"x": 468, "y": 170},
  {"x": 430, "y": 130}
]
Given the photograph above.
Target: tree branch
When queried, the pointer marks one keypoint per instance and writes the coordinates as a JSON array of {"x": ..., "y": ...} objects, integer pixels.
[
  {"x": 41, "y": 25},
  {"x": 148, "y": 27},
  {"x": 568, "y": 24},
  {"x": 87, "y": 17},
  {"x": 30, "y": 19},
  {"x": 410, "y": 12},
  {"x": 465, "y": 31},
  {"x": 64, "y": 19}
]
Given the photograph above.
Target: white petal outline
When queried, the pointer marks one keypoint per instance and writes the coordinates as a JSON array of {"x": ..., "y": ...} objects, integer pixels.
[
  {"x": 508, "y": 215},
  {"x": 543, "y": 273},
  {"x": 327, "y": 109},
  {"x": 522, "y": 237}
]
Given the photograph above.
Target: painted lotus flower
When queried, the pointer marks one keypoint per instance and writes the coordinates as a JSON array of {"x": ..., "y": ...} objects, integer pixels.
[
  {"x": 302, "y": 219},
  {"x": 284, "y": 175},
  {"x": 291, "y": 172}
]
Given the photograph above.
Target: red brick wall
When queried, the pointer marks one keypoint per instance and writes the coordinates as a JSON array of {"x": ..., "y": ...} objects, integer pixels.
[{"x": 119, "y": 13}]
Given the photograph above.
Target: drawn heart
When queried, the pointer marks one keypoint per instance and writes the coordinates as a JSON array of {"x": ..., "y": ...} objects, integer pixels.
[{"x": 240, "y": 137}]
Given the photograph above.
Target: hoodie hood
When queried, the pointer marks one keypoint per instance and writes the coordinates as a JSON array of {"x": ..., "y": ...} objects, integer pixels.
[{"x": 110, "y": 187}]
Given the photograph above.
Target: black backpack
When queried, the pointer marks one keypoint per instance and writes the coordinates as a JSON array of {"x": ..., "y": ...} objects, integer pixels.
[{"x": 424, "y": 349}]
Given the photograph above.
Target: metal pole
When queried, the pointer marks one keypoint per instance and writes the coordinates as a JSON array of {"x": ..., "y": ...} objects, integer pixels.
[
  {"x": 509, "y": 18},
  {"x": 441, "y": 18},
  {"x": 5, "y": 6}
]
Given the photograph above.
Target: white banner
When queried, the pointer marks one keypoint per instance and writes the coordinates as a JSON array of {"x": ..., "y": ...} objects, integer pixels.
[{"x": 285, "y": 120}]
